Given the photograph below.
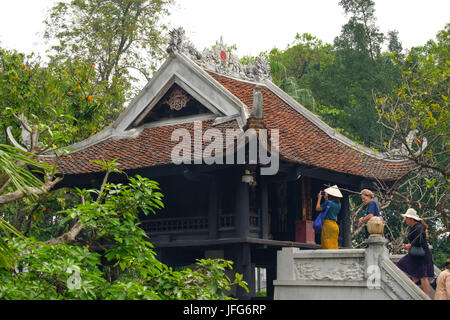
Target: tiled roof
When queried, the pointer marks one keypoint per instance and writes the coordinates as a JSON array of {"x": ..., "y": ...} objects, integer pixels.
[
  {"x": 301, "y": 141},
  {"x": 151, "y": 148}
]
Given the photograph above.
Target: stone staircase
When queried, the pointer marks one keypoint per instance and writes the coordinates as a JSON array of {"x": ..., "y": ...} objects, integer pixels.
[
  {"x": 347, "y": 274},
  {"x": 396, "y": 257}
]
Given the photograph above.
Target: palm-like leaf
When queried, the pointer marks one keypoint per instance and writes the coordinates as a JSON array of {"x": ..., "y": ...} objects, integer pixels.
[
  {"x": 7, "y": 256},
  {"x": 19, "y": 176}
]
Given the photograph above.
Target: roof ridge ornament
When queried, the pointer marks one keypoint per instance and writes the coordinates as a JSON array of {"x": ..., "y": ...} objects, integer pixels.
[{"x": 218, "y": 59}]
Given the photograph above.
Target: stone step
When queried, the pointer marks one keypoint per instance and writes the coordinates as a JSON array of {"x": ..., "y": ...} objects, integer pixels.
[{"x": 396, "y": 257}]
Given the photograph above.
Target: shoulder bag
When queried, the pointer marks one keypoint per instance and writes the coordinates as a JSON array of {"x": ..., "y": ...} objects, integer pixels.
[
  {"x": 417, "y": 252},
  {"x": 317, "y": 225}
]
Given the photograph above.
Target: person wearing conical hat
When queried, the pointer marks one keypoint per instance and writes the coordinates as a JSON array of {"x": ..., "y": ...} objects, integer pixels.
[
  {"x": 415, "y": 266},
  {"x": 330, "y": 229}
]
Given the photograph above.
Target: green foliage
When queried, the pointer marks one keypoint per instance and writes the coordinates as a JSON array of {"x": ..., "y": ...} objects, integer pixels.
[
  {"x": 338, "y": 83},
  {"x": 307, "y": 53},
  {"x": 207, "y": 281},
  {"x": 343, "y": 77},
  {"x": 79, "y": 92},
  {"x": 124, "y": 36},
  {"x": 441, "y": 250},
  {"x": 360, "y": 34},
  {"x": 20, "y": 177},
  {"x": 44, "y": 271},
  {"x": 417, "y": 117},
  {"x": 61, "y": 104},
  {"x": 7, "y": 255},
  {"x": 112, "y": 257},
  {"x": 14, "y": 176}
]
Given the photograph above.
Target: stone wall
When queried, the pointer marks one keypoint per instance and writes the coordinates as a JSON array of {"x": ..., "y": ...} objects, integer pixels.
[{"x": 347, "y": 274}]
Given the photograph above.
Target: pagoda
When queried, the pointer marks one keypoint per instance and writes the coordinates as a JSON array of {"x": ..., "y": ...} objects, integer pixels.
[{"x": 239, "y": 161}]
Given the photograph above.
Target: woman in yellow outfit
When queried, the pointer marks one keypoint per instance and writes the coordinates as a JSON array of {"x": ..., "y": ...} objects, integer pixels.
[{"x": 330, "y": 229}]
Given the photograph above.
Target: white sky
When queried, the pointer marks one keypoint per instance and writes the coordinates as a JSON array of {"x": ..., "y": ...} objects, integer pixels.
[{"x": 252, "y": 25}]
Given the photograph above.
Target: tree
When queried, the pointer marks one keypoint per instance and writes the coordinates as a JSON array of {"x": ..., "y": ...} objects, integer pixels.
[
  {"x": 42, "y": 109},
  {"x": 360, "y": 33},
  {"x": 394, "y": 44},
  {"x": 117, "y": 36},
  {"x": 49, "y": 106},
  {"x": 106, "y": 255},
  {"x": 297, "y": 60},
  {"x": 416, "y": 117},
  {"x": 336, "y": 82},
  {"x": 296, "y": 69}
]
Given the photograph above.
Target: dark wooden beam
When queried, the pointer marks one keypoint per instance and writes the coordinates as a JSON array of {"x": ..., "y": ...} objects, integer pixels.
[
  {"x": 331, "y": 176},
  {"x": 242, "y": 205},
  {"x": 293, "y": 195},
  {"x": 345, "y": 221},
  {"x": 287, "y": 175},
  {"x": 264, "y": 209},
  {"x": 213, "y": 209},
  {"x": 197, "y": 176}
]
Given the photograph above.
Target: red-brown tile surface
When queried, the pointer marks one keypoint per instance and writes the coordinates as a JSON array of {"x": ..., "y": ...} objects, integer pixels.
[
  {"x": 303, "y": 142},
  {"x": 152, "y": 148}
]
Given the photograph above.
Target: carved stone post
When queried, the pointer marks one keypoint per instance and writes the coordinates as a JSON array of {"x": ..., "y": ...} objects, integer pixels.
[
  {"x": 375, "y": 227},
  {"x": 376, "y": 244}
]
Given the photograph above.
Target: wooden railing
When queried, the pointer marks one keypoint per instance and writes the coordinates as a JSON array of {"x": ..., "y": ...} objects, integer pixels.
[
  {"x": 226, "y": 222},
  {"x": 176, "y": 225},
  {"x": 193, "y": 224}
]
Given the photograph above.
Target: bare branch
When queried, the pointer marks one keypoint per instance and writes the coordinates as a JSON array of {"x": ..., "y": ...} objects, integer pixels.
[{"x": 18, "y": 194}]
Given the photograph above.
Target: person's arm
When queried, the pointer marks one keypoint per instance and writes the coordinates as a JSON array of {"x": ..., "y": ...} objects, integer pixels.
[
  {"x": 406, "y": 246},
  {"x": 319, "y": 199},
  {"x": 367, "y": 218},
  {"x": 370, "y": 214},
  {"x": 364, "y": 220}
]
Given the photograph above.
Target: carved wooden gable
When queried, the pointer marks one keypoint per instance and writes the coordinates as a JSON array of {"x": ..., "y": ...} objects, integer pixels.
[{"x": 176, "y": 103}]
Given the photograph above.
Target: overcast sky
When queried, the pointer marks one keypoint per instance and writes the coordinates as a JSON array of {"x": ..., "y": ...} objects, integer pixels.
[{"x": 252, "y": 25}]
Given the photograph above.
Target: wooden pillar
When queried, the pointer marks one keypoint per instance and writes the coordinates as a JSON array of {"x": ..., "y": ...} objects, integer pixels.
[
  {"x": 264, "y": 209},
  {"x": 242, "y": 211},
  {"x": 271, "y": 274},
  {"x": 345, "y": 222},
  {"x": 292, "y": 199},
  {"x": 273, "y": 226},
  {"x": 213, "y": 210},
  {"x": 244, "y": 267},
  {"x": 306, "y": 198}
]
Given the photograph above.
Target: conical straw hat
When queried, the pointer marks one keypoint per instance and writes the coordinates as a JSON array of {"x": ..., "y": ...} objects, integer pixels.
[{"x": 334, "y": 191}]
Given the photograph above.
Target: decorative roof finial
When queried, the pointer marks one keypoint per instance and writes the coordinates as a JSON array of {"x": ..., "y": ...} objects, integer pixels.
[
  {"x": 257, "y": 109},
  {"x": 178, "y": 43},
  {"x": 218, "y": 59}
]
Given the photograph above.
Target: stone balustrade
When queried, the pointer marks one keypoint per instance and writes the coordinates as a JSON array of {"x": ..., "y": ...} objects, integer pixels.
[{"x": 346, "y": 274}]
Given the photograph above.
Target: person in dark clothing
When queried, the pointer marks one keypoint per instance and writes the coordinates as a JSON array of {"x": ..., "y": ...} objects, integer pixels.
[{"x": 417, "y": 267}]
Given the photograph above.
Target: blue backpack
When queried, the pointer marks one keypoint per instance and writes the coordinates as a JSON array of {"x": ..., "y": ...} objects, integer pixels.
[{"x": 317, "y": 225}]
